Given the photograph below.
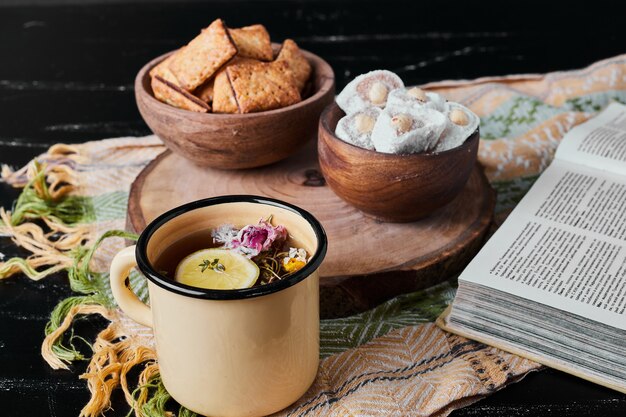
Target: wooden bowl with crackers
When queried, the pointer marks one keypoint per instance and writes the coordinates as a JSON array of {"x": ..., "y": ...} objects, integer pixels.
[
  {"x": 396, "y": 188},
  {"x": 231, "y": 99}
]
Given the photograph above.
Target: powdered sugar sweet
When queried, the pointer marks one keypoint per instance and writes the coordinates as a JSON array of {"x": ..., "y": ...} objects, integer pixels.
[
  {"x": 383, "y": 115},
  {"x": 368, "y": 90}
]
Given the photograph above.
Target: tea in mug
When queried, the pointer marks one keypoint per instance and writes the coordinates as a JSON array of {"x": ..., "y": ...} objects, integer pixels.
[{"x": 233, "y": 258}]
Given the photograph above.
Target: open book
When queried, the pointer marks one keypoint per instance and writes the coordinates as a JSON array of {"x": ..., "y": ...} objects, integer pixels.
[{"x": 550, "y": 285}]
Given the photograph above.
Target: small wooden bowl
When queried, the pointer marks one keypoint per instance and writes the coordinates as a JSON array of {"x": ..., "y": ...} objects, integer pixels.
[
  {"x": 392, "y": 188},
  {"x": 237, "y": 141}
]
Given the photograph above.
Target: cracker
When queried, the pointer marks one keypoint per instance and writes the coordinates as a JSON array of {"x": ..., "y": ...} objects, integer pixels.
[
  {"x": 223, "y": 95},
  {"x": 203, "y": 56},
  {"x": 175, "y": 96},
  {"x": 293, "y": 56},
  {"x": 163, "y": 70},
  {"x": 253, "y": 42},
  {"x": 263, "y": 86},
  {"x": 205, "y": 91}
]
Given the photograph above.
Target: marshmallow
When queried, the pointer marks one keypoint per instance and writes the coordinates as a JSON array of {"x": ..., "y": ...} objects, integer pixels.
[
  {"x": 367, "y": 90},
  {"x": 411, "y": 130},
  {"x": 356, "y": 128}
]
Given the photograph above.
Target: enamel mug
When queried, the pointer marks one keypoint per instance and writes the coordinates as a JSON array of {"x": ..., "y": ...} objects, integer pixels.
[{"x": 245, "y": 352}]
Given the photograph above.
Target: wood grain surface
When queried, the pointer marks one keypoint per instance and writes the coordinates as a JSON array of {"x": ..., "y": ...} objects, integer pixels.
[{"x": 368, "y": 261}]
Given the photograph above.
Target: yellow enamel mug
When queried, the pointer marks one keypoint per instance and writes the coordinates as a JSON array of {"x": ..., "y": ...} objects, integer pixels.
[{"x": 247, "y": 352}]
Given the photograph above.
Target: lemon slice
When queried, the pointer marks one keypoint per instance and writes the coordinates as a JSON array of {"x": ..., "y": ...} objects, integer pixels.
[{"x": 217, "y": 269}]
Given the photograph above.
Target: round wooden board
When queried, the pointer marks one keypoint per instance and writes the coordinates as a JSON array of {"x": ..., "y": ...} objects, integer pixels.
[{"x": 368, "y": 261}]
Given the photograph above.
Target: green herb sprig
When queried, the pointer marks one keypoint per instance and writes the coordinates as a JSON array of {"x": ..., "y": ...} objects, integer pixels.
[{"x": 212, "y": 264}]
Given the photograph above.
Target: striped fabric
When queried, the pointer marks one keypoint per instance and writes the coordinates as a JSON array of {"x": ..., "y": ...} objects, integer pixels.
[{"x": 413, "y": 371}]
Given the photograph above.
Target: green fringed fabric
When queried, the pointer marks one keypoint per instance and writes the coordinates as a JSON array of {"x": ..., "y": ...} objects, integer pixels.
[
  {"x": 84, "y": 281},
  {"x": 67, "y": 353},
  {"x": 62, "y": 214},
  {"x": 18, "y": 264},
  {"x": 38, "y": 201},
  {"x": 158, "y": 399}
]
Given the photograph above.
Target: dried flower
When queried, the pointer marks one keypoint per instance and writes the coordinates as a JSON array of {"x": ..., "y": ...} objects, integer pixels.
[
  {"x": 295, "y": 260},
  {"x": 224, "y": 234},
  {"x": 292, "y": 265},
  {"x": 264, "y": 244},
  {"x": 251, "y": 240},
  {"x": 298, "y": 253}
]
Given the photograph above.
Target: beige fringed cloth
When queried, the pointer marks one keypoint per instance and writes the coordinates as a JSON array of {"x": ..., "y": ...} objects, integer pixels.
[{"x": 388, "y": 361}]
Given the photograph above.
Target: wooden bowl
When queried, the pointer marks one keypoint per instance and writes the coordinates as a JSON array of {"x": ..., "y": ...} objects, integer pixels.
[
  {"x": 388, "y": 187},
  {"x": 237, "y": 141}
]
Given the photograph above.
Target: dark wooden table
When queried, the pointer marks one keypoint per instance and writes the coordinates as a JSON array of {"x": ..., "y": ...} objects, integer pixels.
[{"x": 66, "y": 75}]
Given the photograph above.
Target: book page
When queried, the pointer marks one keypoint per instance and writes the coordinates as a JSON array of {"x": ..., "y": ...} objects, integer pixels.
[
  {"x": 598, "y": 143},
  {"x": 564, "y": 245}
]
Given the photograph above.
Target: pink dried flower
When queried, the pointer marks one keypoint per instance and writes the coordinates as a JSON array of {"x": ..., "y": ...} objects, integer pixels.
[{"x": 254, "y": 239}]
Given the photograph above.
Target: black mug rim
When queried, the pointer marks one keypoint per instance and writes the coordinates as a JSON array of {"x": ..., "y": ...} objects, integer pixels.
[{"x": 209, "y": 294}]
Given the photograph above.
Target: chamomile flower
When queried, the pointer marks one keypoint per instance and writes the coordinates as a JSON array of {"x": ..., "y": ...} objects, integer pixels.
[{"x": 295, "y": 260}]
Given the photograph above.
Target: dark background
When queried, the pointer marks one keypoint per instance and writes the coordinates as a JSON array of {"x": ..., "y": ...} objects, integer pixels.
[{"x": 66, "y": 75}]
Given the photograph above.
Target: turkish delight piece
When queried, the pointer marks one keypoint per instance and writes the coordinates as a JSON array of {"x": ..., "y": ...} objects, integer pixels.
[
  {"x": 368, "y": 90},
  {"x": 356, "y": 128},
  {"x": 408, "y": 131},
  {"x": 415, "y": 98},
  {"x": 461, "y": 122}
]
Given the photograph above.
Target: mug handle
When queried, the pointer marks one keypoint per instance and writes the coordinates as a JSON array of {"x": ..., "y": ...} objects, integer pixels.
[{"x": 121, "y": 265}]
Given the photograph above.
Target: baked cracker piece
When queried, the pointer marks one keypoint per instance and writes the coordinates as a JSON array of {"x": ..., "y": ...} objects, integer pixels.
[
  {"x": 253, "y": 42},
  {"x": 163, "y": 69},
  {"x": 203, "y": 56},
  {"x": 223, "y": 95},
  {"x": 292, "y": 55},
  {"x": 263, "y": 86},
  {"x": 175, "y": 96},
  {"x": 224, "y": 100},
  {"x": 205, "y": 91}
]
